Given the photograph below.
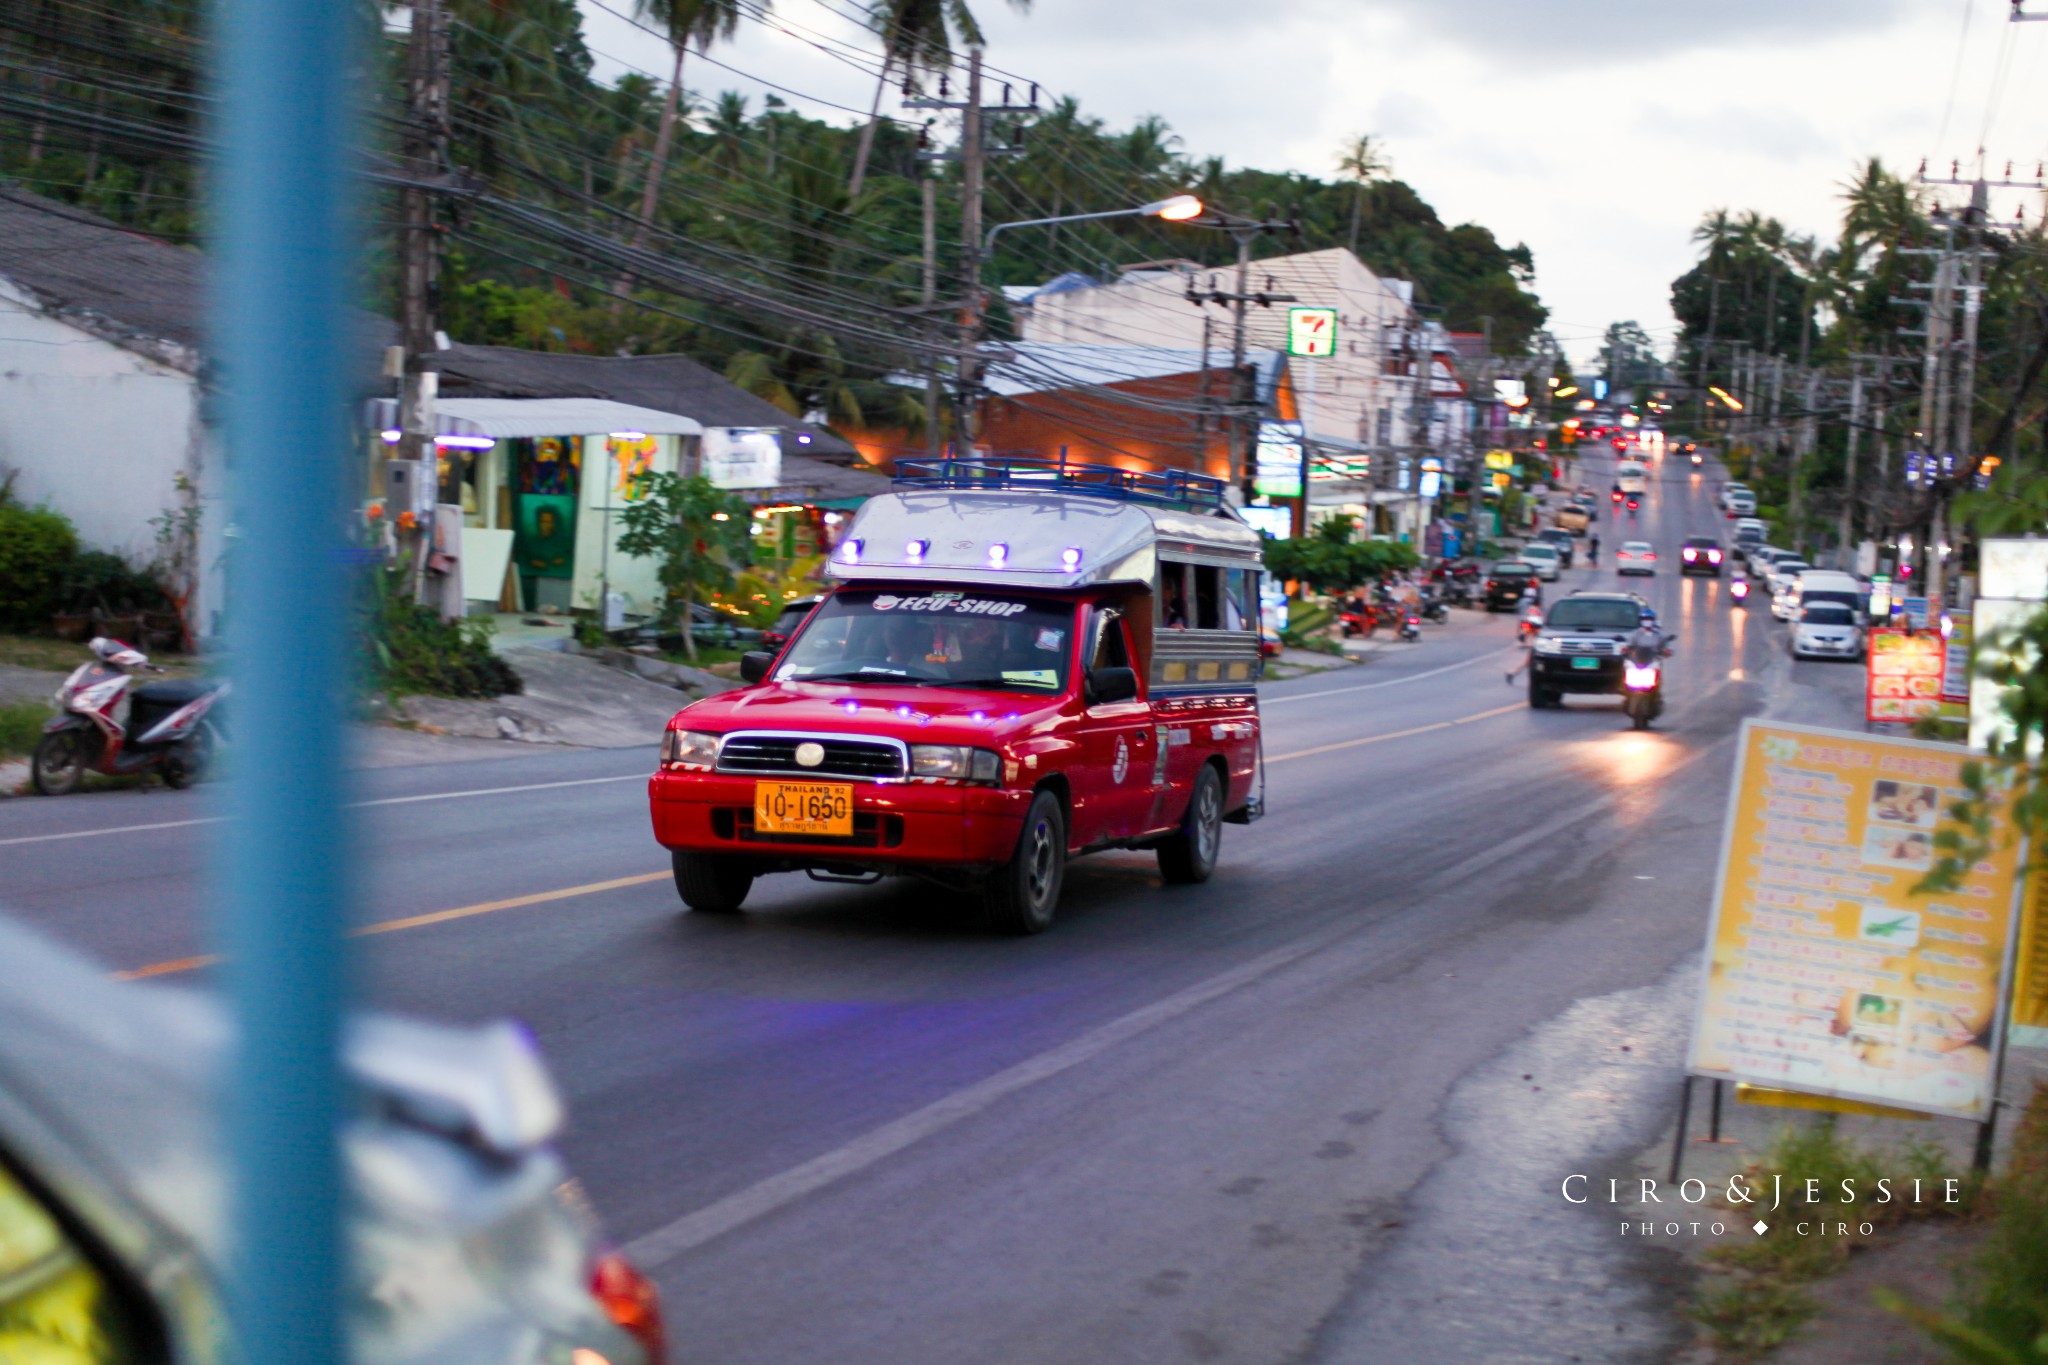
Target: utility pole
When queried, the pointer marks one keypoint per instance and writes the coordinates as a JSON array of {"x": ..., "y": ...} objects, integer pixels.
[
  {"x": 930, "y": 295},
  {"x": 1244, "y": 399},
  {"x": 1844, "y": 537},
  {"x": 972, "y": 156},
  {"x": 967, "y": 427},
  {"x": 1802, "y": 449},
  {"x": 424, "y": 147}
]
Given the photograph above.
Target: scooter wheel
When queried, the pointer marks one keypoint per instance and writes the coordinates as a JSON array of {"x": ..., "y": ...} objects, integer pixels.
[{"x": 59, "y": 763}]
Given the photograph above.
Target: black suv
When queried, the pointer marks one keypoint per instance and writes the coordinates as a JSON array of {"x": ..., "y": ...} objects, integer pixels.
[
  {"x": 1700, "y": 554},
  {"x": 1579, "y": 648},
  {"x": 1507, "y": 581}
]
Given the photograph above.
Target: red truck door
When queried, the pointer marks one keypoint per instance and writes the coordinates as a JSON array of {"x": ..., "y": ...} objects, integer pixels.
[{"x": 1113, "y": 788}]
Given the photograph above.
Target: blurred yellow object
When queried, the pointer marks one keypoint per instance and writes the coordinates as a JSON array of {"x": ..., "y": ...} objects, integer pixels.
[{"x": 50, "y": 1297}]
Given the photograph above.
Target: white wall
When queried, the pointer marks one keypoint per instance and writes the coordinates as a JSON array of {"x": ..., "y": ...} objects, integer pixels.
[
  {"x": 98, "y": 433},
  {"x": 638, "y": 579},
  {"x": 1150, "y": 308}
]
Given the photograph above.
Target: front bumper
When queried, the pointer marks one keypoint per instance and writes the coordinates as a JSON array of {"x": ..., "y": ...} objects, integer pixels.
[
  {"x": 1826, "y": 649},
  {"x": 1556, "y": 673},
  {"x": 895, "y": 824}
]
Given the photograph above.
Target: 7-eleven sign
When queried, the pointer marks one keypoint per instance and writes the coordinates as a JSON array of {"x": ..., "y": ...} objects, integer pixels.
[{"x": 1311, "y": 331}]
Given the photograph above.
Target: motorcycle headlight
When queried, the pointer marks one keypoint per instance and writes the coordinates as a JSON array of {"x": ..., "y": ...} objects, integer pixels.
[
  {"x": 955, "y": 761},
  {"x": 691, "y": 748}
]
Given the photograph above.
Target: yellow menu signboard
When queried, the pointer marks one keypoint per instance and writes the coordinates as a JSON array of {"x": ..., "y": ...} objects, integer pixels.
[{"x": 1825, "y": 974}]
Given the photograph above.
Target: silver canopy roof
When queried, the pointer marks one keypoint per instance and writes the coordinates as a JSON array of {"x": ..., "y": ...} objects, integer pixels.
[{"x": 1007, "y": 538}]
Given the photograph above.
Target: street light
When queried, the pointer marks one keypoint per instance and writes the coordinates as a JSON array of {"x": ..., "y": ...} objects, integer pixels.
[{"x": 1177, "y": 209}]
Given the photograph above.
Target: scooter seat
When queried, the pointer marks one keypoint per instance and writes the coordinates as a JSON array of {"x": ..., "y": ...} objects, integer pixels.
[{"x": 172, "y": 691}]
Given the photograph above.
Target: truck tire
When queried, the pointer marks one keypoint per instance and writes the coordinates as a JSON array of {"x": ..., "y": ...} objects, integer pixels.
[
  {"x": 1540, "y": 697},
  {"x": 1021, "y": 895},
  {"x": 1189, "y": 856},
  {"x": 710, "y": 883}
]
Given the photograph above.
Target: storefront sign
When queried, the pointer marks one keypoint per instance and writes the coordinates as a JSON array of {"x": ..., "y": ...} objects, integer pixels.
[
  {"x": 1499, "y": 459},
  {"x": 1312, "y": 331},
  {"x": 1903, "y": 678},
  {"x": 742, "y": 457},
  {"x": 1277, "y": 467},
  {"x": 1826, "y": 974}
]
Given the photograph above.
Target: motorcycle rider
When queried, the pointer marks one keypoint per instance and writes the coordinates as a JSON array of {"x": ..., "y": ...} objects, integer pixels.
[{"x": 1649, "y": 640}]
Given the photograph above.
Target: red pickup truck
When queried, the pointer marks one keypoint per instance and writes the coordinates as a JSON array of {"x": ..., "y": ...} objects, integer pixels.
[{"x": 1019, "y": 662}]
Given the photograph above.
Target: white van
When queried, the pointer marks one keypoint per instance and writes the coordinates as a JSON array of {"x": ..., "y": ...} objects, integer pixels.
[
  {"x": 1828, "y": 621},
  {"x": 1631, "y": 477}
]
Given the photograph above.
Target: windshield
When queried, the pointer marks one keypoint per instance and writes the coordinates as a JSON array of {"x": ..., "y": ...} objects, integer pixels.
[
  {"x": 1539, "y": 552},
  {"x": 1577, "y": 614},
  {"x": 943, "y": 638},
  {"x": 1513, "y": 570},
  {"x": 1827, "y": 614}
]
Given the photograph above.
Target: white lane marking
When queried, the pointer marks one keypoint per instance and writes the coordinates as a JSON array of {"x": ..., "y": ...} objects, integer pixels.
[
  {"x": 736, "y": 1210},
  {"x": 1390, "y": 682},
  {"x": 119, "y": 829},
  {"x": 353, "y": 805}
]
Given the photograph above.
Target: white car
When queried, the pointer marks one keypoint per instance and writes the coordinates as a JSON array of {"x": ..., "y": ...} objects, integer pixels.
[
  {"x": 1826, "y": 630},
  {"x": 1741, "y": 504},
  {"x": 1636, "y": 556},
  {"x": 1784, "y": 582},
  {"x": 1733, "y": 489},
  {"x": 1544, "y": 557}
]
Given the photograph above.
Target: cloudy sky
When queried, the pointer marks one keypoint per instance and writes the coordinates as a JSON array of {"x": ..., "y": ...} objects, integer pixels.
[{"x": 1597, "y": 131}]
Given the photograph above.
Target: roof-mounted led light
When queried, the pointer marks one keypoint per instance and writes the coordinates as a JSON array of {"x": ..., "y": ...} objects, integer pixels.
[
  {"x": 849, "y": 553},
  {"x": 915, "y": 549},
  {"x": 998, "y": 555},
  {"x": 1070, "y": 558}
]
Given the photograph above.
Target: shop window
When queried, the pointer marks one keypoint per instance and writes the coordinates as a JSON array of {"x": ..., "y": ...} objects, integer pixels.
[{"x": 55, "y": 1303}]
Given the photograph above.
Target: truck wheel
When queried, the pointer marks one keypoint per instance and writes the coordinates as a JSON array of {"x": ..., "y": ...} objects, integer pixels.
[
  {"x": 1190, "y": 855},
  {"x": 59, "y": 763},
  {"x": 709, "y": 883},
  {"x": 1540, "y": 697},
  {"x": 1021, "y": 895}
]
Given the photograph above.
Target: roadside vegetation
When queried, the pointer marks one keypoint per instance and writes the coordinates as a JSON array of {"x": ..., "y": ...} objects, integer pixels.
[
  {"x": 2000, "y": 1316},
  {"x": 412, "y": 651},
  {"x": 21, "y": 725},
  {"x": 1755, "y": 1294}
]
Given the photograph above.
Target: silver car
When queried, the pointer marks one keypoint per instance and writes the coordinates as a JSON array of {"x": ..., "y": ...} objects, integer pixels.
[{"x": 469, "y": 1243}]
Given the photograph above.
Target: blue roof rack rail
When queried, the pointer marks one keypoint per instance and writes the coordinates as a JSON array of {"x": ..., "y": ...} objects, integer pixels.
[{"x": 1170, "y": 487}]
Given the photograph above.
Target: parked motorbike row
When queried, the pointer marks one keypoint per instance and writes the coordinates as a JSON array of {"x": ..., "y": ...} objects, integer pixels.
[{"x": 1360, "y": 618}]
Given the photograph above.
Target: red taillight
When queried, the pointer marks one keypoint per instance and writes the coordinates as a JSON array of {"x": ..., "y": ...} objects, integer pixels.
[
  {"x": 1650, "y": 554},
  {"x": 630, "y": 1300}
]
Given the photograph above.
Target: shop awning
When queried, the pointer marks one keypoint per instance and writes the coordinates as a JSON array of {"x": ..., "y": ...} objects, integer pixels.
[
  {"x": 507, "y": 418},
  {"x": 510, "y": 417}
]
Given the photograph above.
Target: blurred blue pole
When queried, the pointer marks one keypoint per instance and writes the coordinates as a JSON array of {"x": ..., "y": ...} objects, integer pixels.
[{"x": 284, "y": 270}]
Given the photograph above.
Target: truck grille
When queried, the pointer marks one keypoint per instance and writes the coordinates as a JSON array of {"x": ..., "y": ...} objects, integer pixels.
[
  {"x": 865, "y": 760},
  {"x": 1586, "y": 645}
]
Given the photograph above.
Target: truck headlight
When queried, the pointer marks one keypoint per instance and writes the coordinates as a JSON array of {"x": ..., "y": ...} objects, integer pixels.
[
  {"x": 955, "y": 761},
  {"x": 1547, "y": 645},
  {"x": 693, "y": 748}
]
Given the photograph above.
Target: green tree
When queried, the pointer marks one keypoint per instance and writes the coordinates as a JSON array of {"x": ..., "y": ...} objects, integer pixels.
[
  {"x": 696, "y": 531},
  {"x": 1362, "y": 161}
]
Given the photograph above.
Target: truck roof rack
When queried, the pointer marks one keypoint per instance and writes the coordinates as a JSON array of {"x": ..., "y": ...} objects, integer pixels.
[{"x": 1169, "y": 487}]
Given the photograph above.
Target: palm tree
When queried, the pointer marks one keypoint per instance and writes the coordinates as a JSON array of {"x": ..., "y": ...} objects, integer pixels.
[
  {"x": 685, "y": 21},
  {"x": 917, "y": 35},
  {"x": 728, "y": 128},
  {"x": 1364, "y": 160}
]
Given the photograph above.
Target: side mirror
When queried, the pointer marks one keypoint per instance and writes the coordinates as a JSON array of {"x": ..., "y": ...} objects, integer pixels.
[
  {"x": 1106, "y": 685},
  {"x": 754, "y": 665}
]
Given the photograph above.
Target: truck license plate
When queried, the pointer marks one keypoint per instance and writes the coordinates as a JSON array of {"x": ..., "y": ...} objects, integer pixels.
[
  {"x": 1585, "y": 663},
  {"x": 803, "y": 808}
]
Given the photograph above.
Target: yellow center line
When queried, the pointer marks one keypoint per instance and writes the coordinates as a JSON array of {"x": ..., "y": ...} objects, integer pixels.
[
  {"x": 392, "y": 926},
  {"x": 1396, "y": 734}
]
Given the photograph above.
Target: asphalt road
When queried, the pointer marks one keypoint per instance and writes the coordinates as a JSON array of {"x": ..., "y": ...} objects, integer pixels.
[{"x": 1316, "y": 1109}]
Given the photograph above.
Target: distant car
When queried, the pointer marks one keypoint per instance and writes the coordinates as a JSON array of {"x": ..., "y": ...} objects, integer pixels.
[
  {"x": 1748, "y": 534},
  {"x": 1739, "y": 504},
  {"x": 1506, "y": 581},
  {"x": 1826, "y": 630},
  {"x": 469, "y": 1240},
  {"x": 1574, "y": 517},
  {"x": 711, "y": 625},
  {"x": 1784, "y": 587},
  {"x": 1733, "y": 488},
  {"x": 786, "y": 621},
  {"x": 1561, "y": 538},
  {"x": 1700, "y": 554},
  {"x": 1635, "y": 557},
  {"x": 1546, "y": 559}
]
